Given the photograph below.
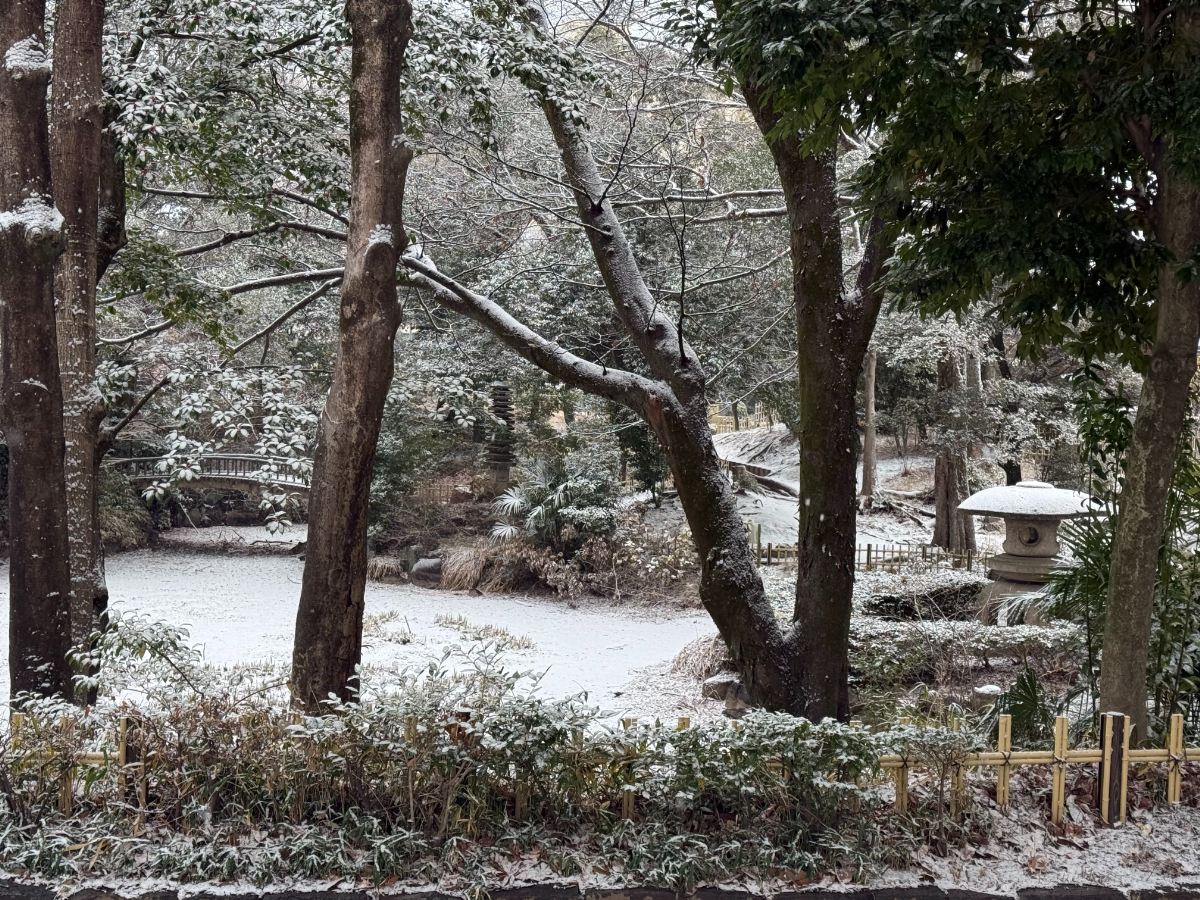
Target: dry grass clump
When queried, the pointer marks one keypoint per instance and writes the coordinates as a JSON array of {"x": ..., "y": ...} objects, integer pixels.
[
  {"x": 375, "y": 626},
  {"x": 387, "y": 569},
  {"x": 702, "y": 658},
  {"x": 500, "y": 636},
  {"x": 462, "y": 568}
]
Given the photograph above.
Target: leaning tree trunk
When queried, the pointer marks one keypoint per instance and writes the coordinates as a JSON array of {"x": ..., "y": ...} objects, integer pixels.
[
  {"x": 77, "y": 114},
  {"x": 953, "y": 530},
  {"x": 328, "y": 644},
  {"x": 869, "y": 453},
  {"x": 730, "y": 587},
  {"x": 1150, "y": 461},
  {"x": 30, "y": 393}
]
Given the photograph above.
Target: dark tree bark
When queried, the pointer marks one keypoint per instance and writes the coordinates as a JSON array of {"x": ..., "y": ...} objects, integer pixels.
[
  {"x": 952, "y": 529},
  {"x": 77, "y": 118},
  {"x": 31, "y": 241},
  {"x": 1150, "y": 460},
  {"x": 869, "y": 453},
  {"x": 328, "y": 644},
  {"x": 834, "y": 328}
]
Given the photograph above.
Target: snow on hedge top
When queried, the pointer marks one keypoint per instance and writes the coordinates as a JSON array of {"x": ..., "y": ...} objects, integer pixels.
[
  {"x": 26, "y": 57},
  {"x": 36, "y": 215},
  {"x": 1032, "y": 499}
]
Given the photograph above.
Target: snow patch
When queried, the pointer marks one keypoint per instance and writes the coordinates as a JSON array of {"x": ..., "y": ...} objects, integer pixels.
[
  {"x": 35, "y": 215},
  {"x": 381, "y": 234},
  {"x": 27, "y": 57}
]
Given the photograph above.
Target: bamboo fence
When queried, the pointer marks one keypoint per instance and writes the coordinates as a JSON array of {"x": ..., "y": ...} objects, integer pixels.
[
  {"x": 868, "y": 557},
  {"x": 1113, "y": 758},
  {"x": 726, "y": 424}
]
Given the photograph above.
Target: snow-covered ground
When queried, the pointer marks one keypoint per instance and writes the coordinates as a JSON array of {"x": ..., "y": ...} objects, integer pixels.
[{"x": 242, "y": 608}]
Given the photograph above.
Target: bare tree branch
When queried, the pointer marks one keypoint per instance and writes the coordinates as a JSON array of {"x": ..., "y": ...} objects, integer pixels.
[{"x": 287, "y": 314}]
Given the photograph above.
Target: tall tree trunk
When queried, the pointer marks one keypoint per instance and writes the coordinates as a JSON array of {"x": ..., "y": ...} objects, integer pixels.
[
  {"x": 1150, "y": 461},
  {"x": 328, "y": 644},
  {"x": 869, "y": 454},
  {"x": 76, "y": 117},
  {"x": 834, "y": 327},
  {"x": 952, "y": 529},
  {"x": 31, "y": 393}
]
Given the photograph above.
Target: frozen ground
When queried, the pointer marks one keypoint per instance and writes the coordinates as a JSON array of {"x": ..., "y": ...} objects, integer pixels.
[{"x": 242, "y": 607}]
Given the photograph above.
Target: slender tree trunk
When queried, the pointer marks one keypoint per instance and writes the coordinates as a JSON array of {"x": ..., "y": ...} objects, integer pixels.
[
  {"x": 30, "y": 393},
  {"x": 952, "y": 529},
  {"x": 328, "y": 644},
  {"x": 77, "y": 114},
  {"x": 1150, "y": 461},
  {"x": 869, "y": 454}
]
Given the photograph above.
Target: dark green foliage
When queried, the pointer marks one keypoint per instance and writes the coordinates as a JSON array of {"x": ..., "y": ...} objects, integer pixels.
[
  {"x": 639, "y": 448},
  {"x": 150, "y": 269},
  {"x": 559, "y": 504},
  {"x": 1032, "y": 710},
  {"x": 125, "y": 523}
]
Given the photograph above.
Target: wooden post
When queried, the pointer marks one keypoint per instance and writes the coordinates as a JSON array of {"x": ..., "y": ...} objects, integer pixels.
[
  {"x": 16, "y": 724},
  {"x": 683, "y": 724},
  {"x": 868, "y": 557},
  {"x": 901, "y": 775},
  {"x": 1004, "y": 770},
  {"x": 66, "y": 786},
  {"x": 1175, "y": 757},
  {"x": 122, "y": 755},
  {"x": 626, "y": 793},
  {"x": 768, "y": 553},
  {"x": 1057, "y": 794},
  {"x": 1114, "y": 742},
  {"x": 1124, "y": 765}
]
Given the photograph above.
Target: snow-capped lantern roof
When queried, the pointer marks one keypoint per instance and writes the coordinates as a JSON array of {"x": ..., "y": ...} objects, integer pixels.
[{"x": 1027, "y": 500}]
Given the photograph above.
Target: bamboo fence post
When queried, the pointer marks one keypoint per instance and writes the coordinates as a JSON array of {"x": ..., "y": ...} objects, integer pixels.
[
  {"x": 1124, "y": 764},
  {"x": 122, "y": 747},
  {"x": 627, "y": 793},
  {"x": 1174, "y": 758},
  {"x": 958, "y": 780},
  {"x": 868, "y": 557},
  {"x": 1004, "y": 770},
  {"x": 66, "y": 789},
  {"x": 683, "y": 724},
  {"x": 768, "y": 553},
  {"x": 901, "y": 776},
  {"x": 1057, "y": 798}
]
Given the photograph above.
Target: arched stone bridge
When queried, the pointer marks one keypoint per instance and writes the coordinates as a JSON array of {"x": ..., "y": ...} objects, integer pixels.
[{"x": 220, "y": 471}]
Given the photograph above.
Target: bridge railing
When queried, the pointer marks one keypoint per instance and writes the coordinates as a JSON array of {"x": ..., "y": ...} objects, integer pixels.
[{"x": 232, "y": 466}]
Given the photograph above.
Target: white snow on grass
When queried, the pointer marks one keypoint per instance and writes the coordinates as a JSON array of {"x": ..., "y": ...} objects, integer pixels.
[{"x": 242, "y": 608}]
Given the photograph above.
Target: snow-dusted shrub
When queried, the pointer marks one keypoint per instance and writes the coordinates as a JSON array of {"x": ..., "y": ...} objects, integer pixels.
[
  {"x": 434, "y": 772},
  {"x": 884, "y": 653}
]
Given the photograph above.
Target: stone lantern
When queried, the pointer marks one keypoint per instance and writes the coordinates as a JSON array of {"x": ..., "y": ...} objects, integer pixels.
[{"x": 1031, "y": 511}]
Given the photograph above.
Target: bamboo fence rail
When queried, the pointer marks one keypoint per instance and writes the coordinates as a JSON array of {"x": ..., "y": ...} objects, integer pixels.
[
  {"x": 1113, "y": 758},
  {"x": 726, "y": 424},
  {"x": 868, "y": 557}
]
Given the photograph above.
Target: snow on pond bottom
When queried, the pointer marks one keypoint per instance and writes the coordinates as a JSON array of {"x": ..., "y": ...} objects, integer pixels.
[{"x": 242, "y": 608}]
